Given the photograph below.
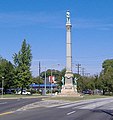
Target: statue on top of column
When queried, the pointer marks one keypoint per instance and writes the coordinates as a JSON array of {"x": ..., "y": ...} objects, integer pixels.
[{"x": 68, "y": 16}]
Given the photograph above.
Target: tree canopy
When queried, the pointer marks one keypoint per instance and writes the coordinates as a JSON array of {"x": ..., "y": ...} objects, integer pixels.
[
  {"x": 22, "y": 62},
  {"x": 6, "y": 73}
]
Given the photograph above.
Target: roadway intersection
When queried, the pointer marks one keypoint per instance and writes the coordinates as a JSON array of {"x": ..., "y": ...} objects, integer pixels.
[{"x": 59, "y": 110}]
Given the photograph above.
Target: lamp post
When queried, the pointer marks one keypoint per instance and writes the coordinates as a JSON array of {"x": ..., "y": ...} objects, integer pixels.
[
  {"x": 51, "y": 81},
  {"x": 2, "y": 86},
  {"x": 45, "y": 82}
]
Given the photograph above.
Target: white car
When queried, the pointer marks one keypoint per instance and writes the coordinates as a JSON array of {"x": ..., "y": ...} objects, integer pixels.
[{"x": 23, "y": 93}]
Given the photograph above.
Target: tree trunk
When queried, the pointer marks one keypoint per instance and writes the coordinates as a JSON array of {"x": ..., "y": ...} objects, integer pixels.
[
  {"x": 103, "y": 91},
  {"x": 22, "y": 90}
]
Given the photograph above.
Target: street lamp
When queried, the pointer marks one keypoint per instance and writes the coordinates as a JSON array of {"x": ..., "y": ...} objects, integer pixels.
[
  {"x": 51, "y": 81},
  {"x": 45, "y": 82},
  {"x": 2, "y": 86}
]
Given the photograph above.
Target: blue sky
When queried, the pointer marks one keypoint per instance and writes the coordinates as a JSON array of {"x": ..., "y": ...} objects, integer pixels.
[{"x": 42, "y": 24}]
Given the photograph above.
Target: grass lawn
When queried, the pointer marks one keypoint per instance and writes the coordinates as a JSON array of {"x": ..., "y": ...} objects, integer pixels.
[
  {"x": 85, "y": 97},
  {"x": 66, "y": 98},
  {"x": 17, "y": 96}
]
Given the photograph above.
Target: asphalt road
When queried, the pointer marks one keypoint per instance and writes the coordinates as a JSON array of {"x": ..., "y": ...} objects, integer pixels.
[
  {"x": 7, "y": 105},
  {"x": 84, "y": 110}
]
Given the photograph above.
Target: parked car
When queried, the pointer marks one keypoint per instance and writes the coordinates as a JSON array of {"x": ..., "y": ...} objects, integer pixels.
[
  {"x": 23, "y": 93},
  {"x": 87, "y": 92},
  {"x": 9, "y": 91}
]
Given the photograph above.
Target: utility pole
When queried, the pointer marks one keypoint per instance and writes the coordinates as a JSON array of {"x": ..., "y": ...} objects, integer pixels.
[
  {"x": 83, "y": 71},
  {"x": 39, "y": 74},
  {"x": 78, "y": 68},
  {"x": 39, "y": 69}
]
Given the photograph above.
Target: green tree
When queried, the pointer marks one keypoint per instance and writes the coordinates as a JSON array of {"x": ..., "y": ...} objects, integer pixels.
[
  {"x": 88, "y": 82},
  {"x": 106, "y": 76},
  {"x": 58, "y": 75},
  {"x": 106, "y": 64},
  {"x": 37, "y": 80},
  {"x": 6, "y": 71},
  {"x": 22, "y": 62}
]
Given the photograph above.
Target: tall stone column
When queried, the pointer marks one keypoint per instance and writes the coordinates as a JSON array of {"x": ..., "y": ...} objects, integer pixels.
[
  {"x": 68, "y": 88},
  {"x": 68, "y": 75}
]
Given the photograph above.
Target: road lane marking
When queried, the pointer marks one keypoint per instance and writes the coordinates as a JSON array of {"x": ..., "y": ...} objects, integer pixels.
[
  {"x": 6, "y": 113},
  {"x": 95, "y": 105},
  {"x": 71, "y": 112},
  {"x": 3, "y": 103}
]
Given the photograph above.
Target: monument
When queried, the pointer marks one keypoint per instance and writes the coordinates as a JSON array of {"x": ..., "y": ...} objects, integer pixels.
[{"x": 68, "y": 87}]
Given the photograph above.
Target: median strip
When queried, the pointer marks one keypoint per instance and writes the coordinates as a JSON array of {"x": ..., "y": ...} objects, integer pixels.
[{"x": 6, "y": 113}]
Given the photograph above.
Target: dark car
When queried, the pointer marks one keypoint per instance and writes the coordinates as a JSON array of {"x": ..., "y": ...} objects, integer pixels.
[
  {"x": 87, "y": 92},
  {"x": 9, "y": 91}
]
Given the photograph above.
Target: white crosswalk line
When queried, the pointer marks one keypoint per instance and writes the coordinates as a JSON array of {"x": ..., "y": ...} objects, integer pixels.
[
  {"x": 87, "y": 104},
  {"x": 95, "y": 105},
  {"x": 73, "y": 104}
]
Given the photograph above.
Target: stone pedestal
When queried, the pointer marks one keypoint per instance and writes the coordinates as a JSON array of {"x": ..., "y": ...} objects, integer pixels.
[{"x": 69, "y": 89}]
